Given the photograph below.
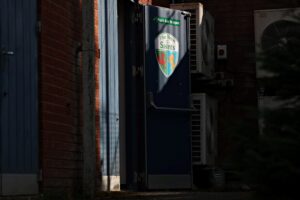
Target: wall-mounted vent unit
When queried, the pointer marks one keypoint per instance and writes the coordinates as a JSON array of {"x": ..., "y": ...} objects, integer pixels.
[
  {"x": 201, "y": 38},
  {"x": 273, "y": 106},
  {"x": 273, "y": 29},
  {"x": 204, "y": 130}
]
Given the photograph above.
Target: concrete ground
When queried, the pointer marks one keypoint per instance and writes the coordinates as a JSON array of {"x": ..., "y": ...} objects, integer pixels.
[
  {"x": 188, "y": 195},
  {"x": 178, "y": 196}
]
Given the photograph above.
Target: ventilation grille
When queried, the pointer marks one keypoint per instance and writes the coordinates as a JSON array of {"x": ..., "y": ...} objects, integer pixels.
[
  {"x": 201, "y": 38},
  {"x": 196, "y": 132},
  {"x": 204, "y": 130},
  {"x": 196, "y": 10},
  {"x": 193, "y": 39}
]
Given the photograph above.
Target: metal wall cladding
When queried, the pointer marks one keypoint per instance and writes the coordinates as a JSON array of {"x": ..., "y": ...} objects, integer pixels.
[
  {"x": 109, "y": 88},
  {"x": 18, "y": 87},
  {"x": 167, "y": 80}
]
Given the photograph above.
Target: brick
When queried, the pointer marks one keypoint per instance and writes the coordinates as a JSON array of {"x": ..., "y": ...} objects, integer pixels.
[
  {"x": 62, "y": 137},
  {"x": 57, "y": 126},
  {"x": 63, "y": 173},
  {"x": 64, "y": 148},
  {"x": 61, "y": 105},
  {"x": 62, "y": 164},
  {"x": 60, "y": 184}
]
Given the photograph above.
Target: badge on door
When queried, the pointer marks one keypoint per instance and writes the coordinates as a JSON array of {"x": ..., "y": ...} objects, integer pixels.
[{"x": 167, "y": 53}]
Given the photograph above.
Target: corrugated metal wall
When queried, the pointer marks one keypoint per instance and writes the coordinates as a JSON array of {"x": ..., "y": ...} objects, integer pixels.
[
  {"x": 109, "y": 90},
  {"x": 18, "y": 87}
]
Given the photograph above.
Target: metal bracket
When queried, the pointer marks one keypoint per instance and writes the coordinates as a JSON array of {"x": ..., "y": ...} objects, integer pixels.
[
  {"x": 186, "y": 14},
  {"x": 38, "y": 27},
  {"x": 138, "y": 17}
]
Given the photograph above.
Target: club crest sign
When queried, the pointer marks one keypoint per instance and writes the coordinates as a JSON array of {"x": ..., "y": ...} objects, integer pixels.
[{"x": 167, "y": 53}]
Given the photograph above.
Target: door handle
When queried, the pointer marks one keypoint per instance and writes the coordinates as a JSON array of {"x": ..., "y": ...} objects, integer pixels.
[
  {"x": 7, "y": 53},
  {"x": 152, "y": 104},
  {"x": 192, "y": 109}
]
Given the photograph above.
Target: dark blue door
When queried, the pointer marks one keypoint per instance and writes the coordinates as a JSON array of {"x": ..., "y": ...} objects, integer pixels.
[
  {"x": 167, "y": 84},
  {"x": 18, "y": 97}
]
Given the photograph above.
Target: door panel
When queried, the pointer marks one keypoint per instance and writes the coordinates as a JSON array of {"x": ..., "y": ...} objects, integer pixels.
[
  {"x": 167, "y": 82},
  {"x": 18, "y": 88},
  {"x": 158, "y": 147}
]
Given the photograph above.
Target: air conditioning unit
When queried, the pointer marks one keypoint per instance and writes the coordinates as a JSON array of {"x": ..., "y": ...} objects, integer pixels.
[
  {"x": 202, "y": 52},
  {"x": 271, "y": 30},
  {"x": 267, "y": 104},
  {"x": 204, "y": 130}
]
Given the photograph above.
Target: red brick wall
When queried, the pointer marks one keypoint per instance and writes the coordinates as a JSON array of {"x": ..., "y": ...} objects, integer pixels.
[
  {"x": 60, "y": 99},
  {"x": 61, "y": 153}
]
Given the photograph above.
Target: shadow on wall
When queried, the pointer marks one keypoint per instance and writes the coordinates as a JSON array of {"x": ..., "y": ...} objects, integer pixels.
[{"x": 270, "y": 159}]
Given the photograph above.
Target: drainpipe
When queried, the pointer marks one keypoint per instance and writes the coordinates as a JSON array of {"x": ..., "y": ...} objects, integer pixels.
[{"x": 88, "y": 89}]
